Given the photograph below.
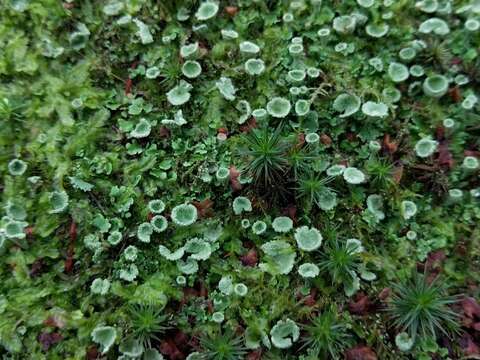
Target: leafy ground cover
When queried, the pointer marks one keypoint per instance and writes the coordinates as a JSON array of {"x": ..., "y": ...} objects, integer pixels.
[{"x": 239, "y": 179}]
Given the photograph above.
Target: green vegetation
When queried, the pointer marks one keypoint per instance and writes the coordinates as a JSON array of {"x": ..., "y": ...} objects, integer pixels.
[{"x": 242, "y": 179}]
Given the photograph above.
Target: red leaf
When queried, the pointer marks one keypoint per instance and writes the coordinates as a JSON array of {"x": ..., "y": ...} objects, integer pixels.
[
  {"x": 361, "y": 305},
  {"x": 300, "y": 140},
  {"x": 164, "y": 132},
  {"x": 384, "y": 294},
  {"x": 29, "y": 230},
  {"x": 234, "y": 182},
  {"x": 388, "y": 145},
  {"x": 468, "y": 345},
  {"x": 397, "y": 173},
  {"x": 249, "y": 125},
  {"x": 445, "y": 157},
  {"x": 471, "y": 308},
  {"x": 254, "y": 355},
  {"x": 204, "y": 208},
  {"x": 55, "y": 321},
  {"x": 223, "y": 130},
  {"x": 325, "y": 139},
  {"x": 49, "y": 339},
  {"x": 37, "y": 268},
  {"x": 92, "y": 353},
  {"x": 180, "y": 338},
  {"x": 128, "y": 86},
  {"x": 455, "y": 94},
  {"x": 250, "y": 258},
  {"x": 169, "y": 349},
  {"x": 231, "y": 10},
  {"x": 360, "y": 352},
  {"x": 68, "y": 267},
  {"x": 291, "y": 212}
]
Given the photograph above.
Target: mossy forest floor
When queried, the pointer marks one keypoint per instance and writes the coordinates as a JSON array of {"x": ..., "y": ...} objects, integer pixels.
[{"x": 239, "y": 179}]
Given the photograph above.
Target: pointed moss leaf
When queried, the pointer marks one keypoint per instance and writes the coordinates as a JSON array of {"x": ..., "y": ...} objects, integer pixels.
[
  {"x": 278, "y": 107},
  {"x": 282, "y": 224},
  {"x": 104, "y": 336},
  {"x": 207, "y": 10},
  {"x": 284, "y": 333},
  {"x": 308, "y": 270},
  {"x": 241, "y": 204},
  {"x": 308, "y": 239},
  {"x": 180, "y": 94},
  {"x": 349, "y": 104},
  {"x": 226, "y": 88},
  {"x": 184, "y": 214}
]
